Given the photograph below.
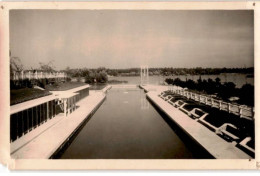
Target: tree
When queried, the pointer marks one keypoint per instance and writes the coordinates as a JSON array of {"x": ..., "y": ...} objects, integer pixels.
[
  {"x": 49, "y": 67},
  {"x": 101, "y": 77},
  {"x": 246, "y": 94},
  {"x": 15, "y": 65},
  {"x": 68, "y": 71},
  {"x": 227, "y": 90},
  {"x": 218, "y": 80},
  {"x": 191, "y": 84}
]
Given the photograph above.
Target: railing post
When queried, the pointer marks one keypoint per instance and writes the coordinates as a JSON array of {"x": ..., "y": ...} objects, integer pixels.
[
  {"x": 229, "y": 107},
  {"x": 240, "y": 109}
]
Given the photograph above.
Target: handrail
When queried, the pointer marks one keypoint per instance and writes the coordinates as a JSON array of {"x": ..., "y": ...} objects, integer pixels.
[{"x": 240, "y": 110}]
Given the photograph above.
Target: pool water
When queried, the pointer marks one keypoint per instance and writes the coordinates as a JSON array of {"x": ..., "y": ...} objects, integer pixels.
[{"x": 127, "y": 126}]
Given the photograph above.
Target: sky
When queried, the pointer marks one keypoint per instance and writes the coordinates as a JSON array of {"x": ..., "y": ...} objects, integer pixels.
[{"x": 131, "y": 38}]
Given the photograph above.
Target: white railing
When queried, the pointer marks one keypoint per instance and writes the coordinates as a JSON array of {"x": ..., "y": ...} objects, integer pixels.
[
  {"x": 240, "y": 110},
  {"x": 36, "y": 75}
]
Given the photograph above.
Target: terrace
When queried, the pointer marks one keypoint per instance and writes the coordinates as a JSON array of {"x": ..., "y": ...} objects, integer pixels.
[{"x": 229, "y": 126}]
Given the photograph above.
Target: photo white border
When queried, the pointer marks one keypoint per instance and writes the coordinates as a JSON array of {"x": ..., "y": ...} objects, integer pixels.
[{"x": 58, "y": 164}]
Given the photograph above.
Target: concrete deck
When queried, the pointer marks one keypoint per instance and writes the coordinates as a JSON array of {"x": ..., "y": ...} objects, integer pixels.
[
  {"x": 158, "y": 88},
  {"x": 107, "y": 88},
  {"x": 43, "y": 145},
  {"x": 124, "y": 86},
  {"x": 215, "y": 145}
]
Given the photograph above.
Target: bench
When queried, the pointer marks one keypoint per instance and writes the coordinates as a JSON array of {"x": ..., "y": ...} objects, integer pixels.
[
  {"x": 208, "y": 125},
  {"x": 167, "y": 97},
  {"x": 198, "y": 113},
  {"x": 243, "y": 144},
  {"x": 227, "y": 131}
]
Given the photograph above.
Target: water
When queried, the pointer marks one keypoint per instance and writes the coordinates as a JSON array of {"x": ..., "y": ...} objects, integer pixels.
[
  {"x": 127, "y": 126},
  {"x": 238, "y": 79}
]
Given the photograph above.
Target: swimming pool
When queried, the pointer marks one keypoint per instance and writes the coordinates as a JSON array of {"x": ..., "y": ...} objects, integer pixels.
[{"x": 127, "y": 126}]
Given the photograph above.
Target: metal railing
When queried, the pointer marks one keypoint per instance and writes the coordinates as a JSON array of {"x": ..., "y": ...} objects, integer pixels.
[
  {"x": 36, "y": 75},
  {"x": 240, "y": 110}
]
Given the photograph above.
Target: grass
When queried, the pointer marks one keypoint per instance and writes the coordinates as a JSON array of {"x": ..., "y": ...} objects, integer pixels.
[
  {"x": 26, "y": 94},
  {"x": 63, "y": 86}
]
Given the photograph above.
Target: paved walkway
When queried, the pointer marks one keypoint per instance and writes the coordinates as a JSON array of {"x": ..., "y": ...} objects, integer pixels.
[
  {"x": 215, "y": 145},
  {"x": 124, "y": 86},
  {"x": 25, "y": 139},
  {"x": 158, "y": 88},
  {"x": 43, "y": 146}
]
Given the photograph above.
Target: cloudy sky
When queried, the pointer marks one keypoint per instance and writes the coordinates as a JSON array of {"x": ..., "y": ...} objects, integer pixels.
[{"x": 127, "y": 38}]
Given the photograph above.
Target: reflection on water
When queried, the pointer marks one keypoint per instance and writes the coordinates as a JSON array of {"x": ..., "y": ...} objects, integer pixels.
[
  {"x": 127, "y": 126},
  {"x": 144, "y": 103}
]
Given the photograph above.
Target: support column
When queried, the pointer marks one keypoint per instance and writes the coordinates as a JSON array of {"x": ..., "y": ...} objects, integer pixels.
[
  {"x": 47, "y": 104},
  {"x": 65, "y": 107}
]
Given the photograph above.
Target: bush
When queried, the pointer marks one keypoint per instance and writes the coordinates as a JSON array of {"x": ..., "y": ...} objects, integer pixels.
[
  {"x": 246, "y": 94},
  {"x": 94, "y": 77}
]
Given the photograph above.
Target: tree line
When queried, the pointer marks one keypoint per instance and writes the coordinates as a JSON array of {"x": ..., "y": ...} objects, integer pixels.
[
  {"x": 223, "y": 91},
  {"x": 98, "y": 75},
  {"x": 205, "y": 71},
  {"x": 162, "y": 71}
]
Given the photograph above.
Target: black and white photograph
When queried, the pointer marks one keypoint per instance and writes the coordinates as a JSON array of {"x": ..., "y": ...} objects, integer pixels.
[{"x": 132, "y": 84}]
